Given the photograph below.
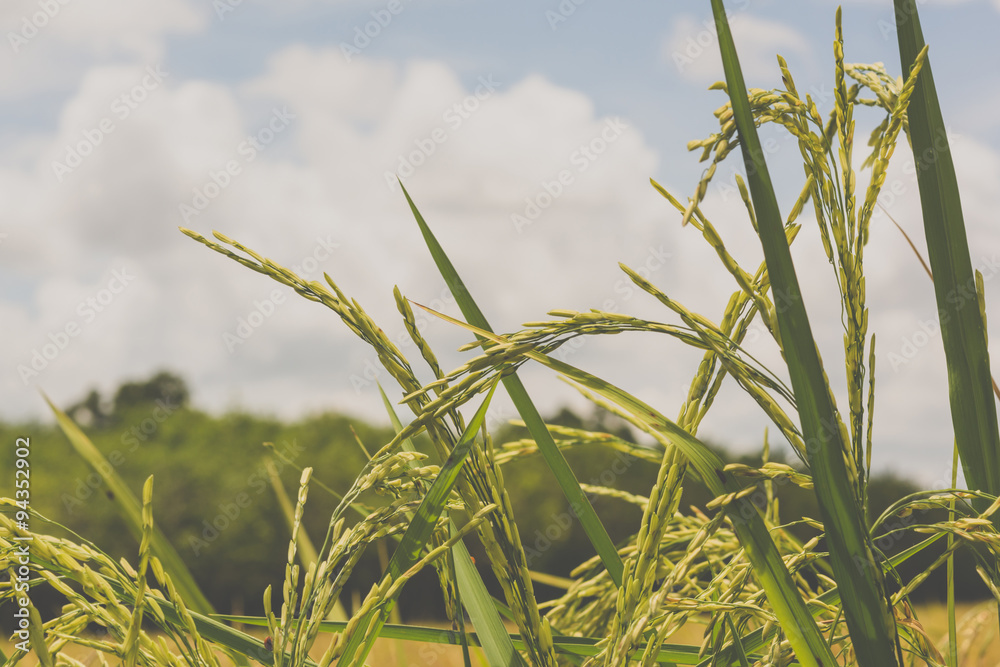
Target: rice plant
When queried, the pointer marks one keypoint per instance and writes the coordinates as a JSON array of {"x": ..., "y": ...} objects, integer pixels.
[{"x": 758, "y": 594}]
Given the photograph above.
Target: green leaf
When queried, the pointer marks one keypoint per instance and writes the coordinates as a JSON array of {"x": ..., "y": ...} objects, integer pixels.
[
  {"x": 419, "y": 532},
  {"x": 973, "y": 411},
  {"x": 214, "y": 631},
  {"x": 757, "y": 640},
  {"x": 37, "y": 636},
  {"x": 670, "y": 654},
  {"x": 422, "y": 526},
  {"x": 769, "y": 569},
  {"x": 496, "y": 643},
  {"x": 529, "y": 413},
  {"x": 869, "y": 620},
  {"x": 131, "y": 510},
  {"x": 737, "y": 644}
]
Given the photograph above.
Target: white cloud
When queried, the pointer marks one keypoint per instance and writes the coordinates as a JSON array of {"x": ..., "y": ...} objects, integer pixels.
[
  {"x": 100, "y": 27},
  {"x": 692, "y": 47},
  {"x": 321, "y": 182},
  {"x": 49, "y": 44}
]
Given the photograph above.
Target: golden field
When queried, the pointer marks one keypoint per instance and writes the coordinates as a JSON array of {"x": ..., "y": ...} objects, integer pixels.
[{"x": 979, "y": 642}]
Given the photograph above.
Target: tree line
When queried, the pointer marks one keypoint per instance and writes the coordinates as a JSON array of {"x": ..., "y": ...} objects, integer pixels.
[{"x": 214, "y": 497}]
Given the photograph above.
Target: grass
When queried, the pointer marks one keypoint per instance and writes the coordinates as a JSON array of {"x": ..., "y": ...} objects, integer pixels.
[{"x": 734, "y": 586}]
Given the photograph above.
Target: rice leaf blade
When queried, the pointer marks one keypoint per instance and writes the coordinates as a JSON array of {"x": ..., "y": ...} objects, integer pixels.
[
  {"x": 131, "y": 511},
  {"x": 419, "y": 531},
  {"x": 679, "y": 654},
  {"x": 973, "y": 408},
  {"x": 554, "y": 458},
  {"x": 869, "y": 620},
  {"x": 494, "y": 639},
  {"x": 476, "y": 599},
  {"x": 757, "y": 639}
]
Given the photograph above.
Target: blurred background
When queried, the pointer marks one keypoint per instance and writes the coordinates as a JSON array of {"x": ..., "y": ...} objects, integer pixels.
[
  {"x": 215, "y": 501},
  {"x": 526, "y": 132}
]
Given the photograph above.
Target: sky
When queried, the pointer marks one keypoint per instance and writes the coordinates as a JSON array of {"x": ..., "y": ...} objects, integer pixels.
[{"x": 526, "y": 133}]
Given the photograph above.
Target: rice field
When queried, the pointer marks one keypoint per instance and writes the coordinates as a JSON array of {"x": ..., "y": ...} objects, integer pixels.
[
  {"x": 731, "y": 585},
  {"x": 978, "y": 638}
]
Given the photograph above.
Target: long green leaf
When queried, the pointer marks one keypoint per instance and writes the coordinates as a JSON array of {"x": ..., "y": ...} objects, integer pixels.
[
  {"x": 973, "y": 411},
  {"x": 869, "y": 619},
  {"x": 529, "y": 413},
  {"x": 37, "y": 635},
  {"x": 758, "y": 639},
  {"x": 212, "y": 630},
  {"x": 678, "y": 654},
  {"x": 131, "y": 511},
  {"x": 496, "y": 643},
  {"x": 422, "y": 527},
  {"x": 420, "y": 530}
]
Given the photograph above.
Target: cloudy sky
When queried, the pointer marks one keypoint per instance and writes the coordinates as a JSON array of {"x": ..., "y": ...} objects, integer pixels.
[{"x": 283, "y": 124}]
